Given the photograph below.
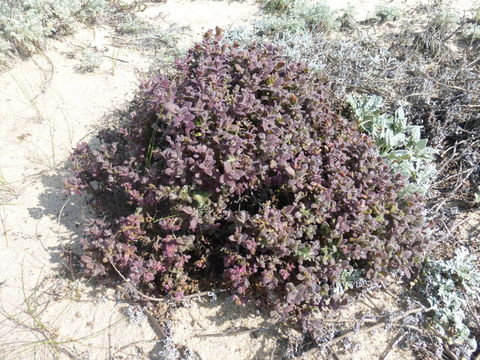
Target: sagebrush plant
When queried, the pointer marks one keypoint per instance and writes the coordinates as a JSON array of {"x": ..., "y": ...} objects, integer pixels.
[
  {"x": 128, "y": 24},
  {"x": 25, "y": 24},
  {"x": 444, "y": 19},
  {"x": 317, "y": 16},
  {"x": 448, "y": 285},
  {"x": 236, "y": 173},
  {"x": 88, "y": 61},
  {"x": 302, "y": 16},
  {"x": 472, "y": 33},
  {"x": 397, "y": 141},
  {"x": 387, "y": 13},
  {"x": 278, "y": 6}
]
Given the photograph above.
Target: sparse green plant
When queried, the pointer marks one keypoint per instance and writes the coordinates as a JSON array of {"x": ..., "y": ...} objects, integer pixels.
[
  {"x": 126, "y": 6},
  {"x": 448, "y": 285},
  {"x": 444, "y": 19},
  {"x": 297, "y": 33},
  {"x": 89, "y": 61},
  {"x": 276, "y": 7},
  {"x": 317, "y": 16},
  {"x": 385, "y": 12},
  {"x": 397, "y": 141},
  {"x": 472, "y": 33},
  {"x": 476, "y": 198},
  {"x": 162, "y": 37},
  {"x": 304, "y": 16},
  {"x": 128, "y": 24},
  {"x": 270, "y": 25},
  {"x": 349, "y": 279}
]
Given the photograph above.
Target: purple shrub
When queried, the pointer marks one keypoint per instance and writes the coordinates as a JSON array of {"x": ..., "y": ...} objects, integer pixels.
[{"x": 236, "y": 173}]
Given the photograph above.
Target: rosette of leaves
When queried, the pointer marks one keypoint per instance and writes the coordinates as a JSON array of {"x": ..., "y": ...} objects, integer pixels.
[
  {"x": 399, "y": 142},
  {"x": 236, "y": 173}
]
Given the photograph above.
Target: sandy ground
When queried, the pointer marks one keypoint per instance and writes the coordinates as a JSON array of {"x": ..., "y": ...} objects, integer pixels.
[{"x": 46, "y": 107}]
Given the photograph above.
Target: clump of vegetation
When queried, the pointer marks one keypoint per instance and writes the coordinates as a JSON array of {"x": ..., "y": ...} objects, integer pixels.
[
  {"x": 128, "y": 24},
  {"x": 302, "y": 16},
  {"x": 236, "y": 173},
  {"x": 317, "y": 16},
  {"x": 25, "y": 24},
  {"x": 88, "y": 62},
  {"x": 387, "y": 13},
  {"x": 448, "y": 286},
  {"x": 472, "y": 33},
  {"x": 397, "y": 141},
  {"x": 278, "y": 6},
  {"x": 444, "y": 19}
]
